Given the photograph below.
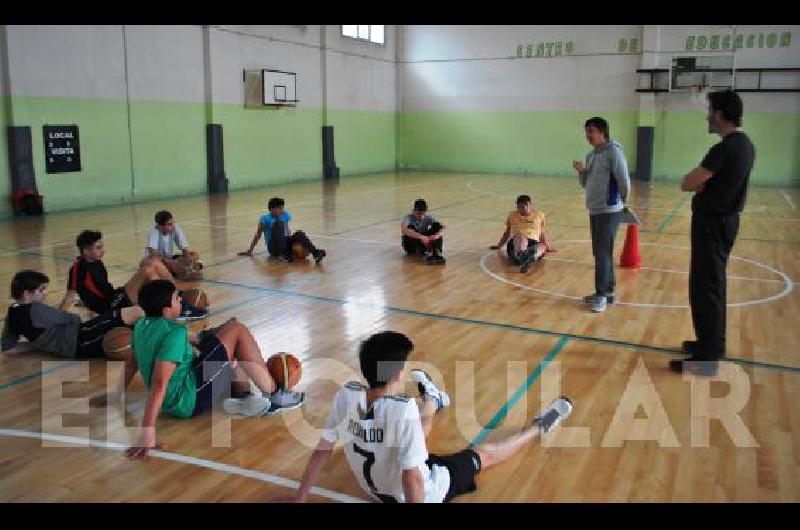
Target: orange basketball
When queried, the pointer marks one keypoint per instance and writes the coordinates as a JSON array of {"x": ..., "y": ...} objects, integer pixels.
[
  {"x": 196, "y": 297},
  {"x": 284, "y": 367},
  {"x": 117, "y": 343},
  {"x": 298, "y": 251}
]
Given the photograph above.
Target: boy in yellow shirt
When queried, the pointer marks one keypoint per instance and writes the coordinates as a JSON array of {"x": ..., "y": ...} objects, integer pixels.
[{"x": 525, "y": 234}]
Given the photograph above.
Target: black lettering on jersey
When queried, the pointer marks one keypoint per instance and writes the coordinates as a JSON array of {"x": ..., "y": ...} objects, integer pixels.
[
  {"x": 401, "y": 399},
  {"x": 355, "y": 385},
  {"x": 371, "y": 435}
]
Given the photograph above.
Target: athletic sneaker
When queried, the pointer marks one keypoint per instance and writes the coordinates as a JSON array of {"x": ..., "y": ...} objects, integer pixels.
[
  {"x": 283, "y": 400},
  {"x": 247, "y": 406},
  {"x": 527, "y": 259},
  {"x": 690, "y": 346},
  {"x": 554, "y": 414},
  {"x": 599, "y": 304},
  {"x": 190, "y": 312},
  {"x": 428, "y": 388},
  {"x": 694, "y": 366},
  {"x": 319, "y": 255},
  {"x": 285, "y": 259},
  {"x": 589, "y": 299}
]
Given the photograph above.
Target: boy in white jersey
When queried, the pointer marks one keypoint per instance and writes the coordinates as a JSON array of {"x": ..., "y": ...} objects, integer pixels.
[
  {"x": 383, "y": 432},
  {"x": 167, "y": 241}
]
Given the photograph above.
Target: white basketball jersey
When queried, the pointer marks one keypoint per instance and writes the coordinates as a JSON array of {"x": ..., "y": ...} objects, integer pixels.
[{"x": 382, "y": 441}]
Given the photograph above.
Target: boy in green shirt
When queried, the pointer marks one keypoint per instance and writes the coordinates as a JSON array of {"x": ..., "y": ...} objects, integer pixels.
[{"x": 185, "y": 386}]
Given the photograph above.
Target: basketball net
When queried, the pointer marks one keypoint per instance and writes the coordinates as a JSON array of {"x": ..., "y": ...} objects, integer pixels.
[{"x": 699, "y": 94}]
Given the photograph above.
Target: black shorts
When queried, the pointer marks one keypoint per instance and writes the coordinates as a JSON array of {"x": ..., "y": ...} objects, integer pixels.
[
  {"x": 121, "y": 300},
  {"x": 213, "y": 373},
  {"x": 463, "y": 466},
  {"x": 532, "y": 243},
  {"x": 91, "y": 333}
]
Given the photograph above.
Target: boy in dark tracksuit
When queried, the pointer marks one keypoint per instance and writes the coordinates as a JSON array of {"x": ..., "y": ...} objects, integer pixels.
[
  {"x": 278, "y": 238},
  {"x": 56, "y": 332},
  {"x": 422, "y": 234}
]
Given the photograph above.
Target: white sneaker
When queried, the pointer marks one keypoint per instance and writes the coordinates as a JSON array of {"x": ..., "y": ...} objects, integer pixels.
[
  {"x": 554, "y": 414},
  {"x": 249, "y": 406},
  {"x": 283, "y": 400},
  {"x": 428, "y": 388},
  {"x": 599, "y": 304}
]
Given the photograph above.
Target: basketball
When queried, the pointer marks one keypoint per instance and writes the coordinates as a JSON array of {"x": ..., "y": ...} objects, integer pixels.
[
  {"x": 196, "y": 297},
  {"x": 117, "y": 343},
  {"x": 299, "y": 251},
  {"x": 282, "y": 367}
]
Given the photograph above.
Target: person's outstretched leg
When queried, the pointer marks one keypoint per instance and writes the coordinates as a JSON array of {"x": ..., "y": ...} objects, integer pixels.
[
  {"x": 150, "y": 269},
  {"x": 302, "y": 238},
  {"x": 243, "y": 348},
  {"x": 433, "y": 399},
  {"x": 493, "y": 454}
]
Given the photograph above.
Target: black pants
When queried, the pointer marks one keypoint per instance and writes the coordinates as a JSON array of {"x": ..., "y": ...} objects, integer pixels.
[
  {"x": 532, "y": 247},
  {"x": 280, "y": 244},
  {"x": 712, "y": 241},
  {"x": 414, "y": 246},
  {"x": 604, "y": 229},
  {"x": 91, "y": 333}
]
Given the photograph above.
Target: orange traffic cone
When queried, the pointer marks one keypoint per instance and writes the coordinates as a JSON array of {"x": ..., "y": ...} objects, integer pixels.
[{"x": 631, "y": 259}]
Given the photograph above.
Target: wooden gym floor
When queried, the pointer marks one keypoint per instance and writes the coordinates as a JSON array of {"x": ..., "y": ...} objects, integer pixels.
[{"x": 500, "y": 342}]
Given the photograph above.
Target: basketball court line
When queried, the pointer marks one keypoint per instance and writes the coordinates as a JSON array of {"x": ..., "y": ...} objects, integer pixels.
[
  {"x": 633, "y": 203},
  {"x": 40, "y": 373},
  {"x": 521, "y": 391},
  {"x": 670, "y": 215},
  {"x": 184, "y": 459},
  {"x": 238, "y": 214},
  {"x": 500, "y": 325},
  {"x": 787, "y": 282},
  {"x": 788, "y": 199}
]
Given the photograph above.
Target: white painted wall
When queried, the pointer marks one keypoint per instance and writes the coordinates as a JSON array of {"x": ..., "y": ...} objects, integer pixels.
[
  {"x": 477, "y": 68},
  {"x": 361, "y": 75},
  {"x": 165, "y": 63},
  {"x": 66, "y": 61}
]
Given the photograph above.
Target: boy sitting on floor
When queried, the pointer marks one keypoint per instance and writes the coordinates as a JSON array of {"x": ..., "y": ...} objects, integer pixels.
[
  {"x": 526, "y": 229},
  {"x": 162, "y": 242},
  {"x": 53, "y": 331},
  {"x": 278, "y": 238},
  {"x": 185, "y": 386},
  {"x": 422, "y": 234},
  {"x": 88, "y": 279},
  {"x": 383, "y": 432}
]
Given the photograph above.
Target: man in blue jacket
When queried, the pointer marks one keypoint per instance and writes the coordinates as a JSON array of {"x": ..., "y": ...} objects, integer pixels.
[{"x": 606, "y": 181}]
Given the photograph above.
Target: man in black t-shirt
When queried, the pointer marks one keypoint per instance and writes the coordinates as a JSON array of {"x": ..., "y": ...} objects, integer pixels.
[{"x": 720, "y": 187}]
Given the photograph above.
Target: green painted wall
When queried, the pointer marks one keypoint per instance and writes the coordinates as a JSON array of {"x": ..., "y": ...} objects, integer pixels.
[
  {"x": 539, "y": 142},
  {"x": 269, "y": 146},
  {"x": 682, "y": 139},
  {"x": 169, "y": 148},
  {"x": 264, "y": 146},
  {"x": 167, "y": 139},
  {"x": 364, "y": 140},
  {"x": 105, "y": 153},
  {"x": 545, "y": 142}
]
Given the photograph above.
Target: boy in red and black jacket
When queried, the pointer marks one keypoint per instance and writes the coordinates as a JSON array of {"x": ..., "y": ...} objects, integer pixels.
[{"x": 88, "y": 279}]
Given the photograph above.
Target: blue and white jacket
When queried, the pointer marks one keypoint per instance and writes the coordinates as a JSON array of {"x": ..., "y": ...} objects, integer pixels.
[{"x": 606, "y": 179}]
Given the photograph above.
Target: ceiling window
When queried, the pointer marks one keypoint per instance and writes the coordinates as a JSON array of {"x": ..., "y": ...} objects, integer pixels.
[{"x": 370, "y": 33}]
